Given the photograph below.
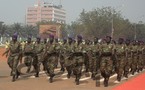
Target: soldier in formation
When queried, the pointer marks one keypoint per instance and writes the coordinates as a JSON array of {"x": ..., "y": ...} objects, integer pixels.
[
  {"x": 106, "y": 57},
  {"x": 13, "y": 51}
]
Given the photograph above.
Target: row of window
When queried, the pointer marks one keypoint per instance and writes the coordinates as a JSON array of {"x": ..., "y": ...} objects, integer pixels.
[
  {"x": 59, "y": 12},
  {"x": 59, "y": 16}
]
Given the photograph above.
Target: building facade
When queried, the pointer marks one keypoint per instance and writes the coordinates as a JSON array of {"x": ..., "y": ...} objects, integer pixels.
[{"x": 43, "y": 12}]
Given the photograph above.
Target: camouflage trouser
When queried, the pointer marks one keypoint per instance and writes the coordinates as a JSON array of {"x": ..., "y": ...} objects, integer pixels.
[
  {"x": 13, "y": 63},
  {"x": 77, "y": 65},
  {"x": 94, "y": 65},
  {"x": 120, "y": 66},
  {"x": 106, "y": 65},
  {"x": 51, "y": 64},
  {"x": 28, "y": 59},
  {"x": 86, "y": 62},
  {"x": 134, "y": 64},
  {"x": 127, "y": 63},
  {"x": 37, "y": 62},
  {"x": 140, "y": 63},
  {"x": 62, "y": 61},
  {"x": 68, "y": 63}
]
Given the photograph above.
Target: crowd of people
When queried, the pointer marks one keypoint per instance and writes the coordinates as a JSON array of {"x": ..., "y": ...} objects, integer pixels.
[{"x": 104, "y": 58}]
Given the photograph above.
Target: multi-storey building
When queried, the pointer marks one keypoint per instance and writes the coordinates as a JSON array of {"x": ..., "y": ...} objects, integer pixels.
[{"x": 45, "y": 12}]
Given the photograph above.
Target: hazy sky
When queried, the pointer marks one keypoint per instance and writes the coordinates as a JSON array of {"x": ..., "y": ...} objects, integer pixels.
[{"x": 14, "y": 10}]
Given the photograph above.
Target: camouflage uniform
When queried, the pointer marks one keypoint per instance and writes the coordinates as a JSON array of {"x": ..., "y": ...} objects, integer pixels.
[
  {"x": 106, "y": 65},
  {"x": 121, "y": 56},
  {"x": 68, "y": 52},
  {"x": 78, "y": 61},
  {"x": 51, "y": 54},
  {"x": 62, "y": 55},
  {"x": 28, "y": 55},
  {"x": 128, "y": 59},
  {"x": 134, "y": 51},
  {"x": 38, "y": 49},
  {"x": 94, "y": 61},
  {"x": 14, "y": 50},
  {"x": 140, "y": 63}
]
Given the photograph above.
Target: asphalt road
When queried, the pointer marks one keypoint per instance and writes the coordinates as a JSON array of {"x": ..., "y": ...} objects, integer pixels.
[{"x": 26, "y": 82}]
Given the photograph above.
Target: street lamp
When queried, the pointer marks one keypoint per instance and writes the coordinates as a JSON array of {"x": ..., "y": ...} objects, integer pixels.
[
  {"x": 135, "y": 32},
  {"x": 112, "y": 22}
]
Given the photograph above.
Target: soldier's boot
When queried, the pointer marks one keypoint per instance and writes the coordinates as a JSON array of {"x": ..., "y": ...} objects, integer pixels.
[
  {"x": 77, "y": 80},
  {"x": 62, "y": 67},
  {"x": 37, "y": 74},
  {"x": 98, "y": 80},
  {"x": 141, "y": 68},
  {"x": 14, "y": 78},
  {"x": 69, "y": 72},
  {"x": 17, "y": 74},
  {"x": 132, "y": 72},
  {"x": 126, "y": 74},
  {"x": 44, "y": 69},
  {"x": 11, "y": 73},
  {"x": 106, "y": 82},
  {"x": 37, "y": 71},
  {"x": 93, "y": 76},
  {"x": 51, "y": 78},
  {"x": 138, "y": 70},
  {"x": 68, "y": 75},
  {"x": 119, "y": 78}
]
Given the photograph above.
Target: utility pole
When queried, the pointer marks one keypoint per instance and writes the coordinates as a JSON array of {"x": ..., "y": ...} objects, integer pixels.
[
  {"x": 135, "y": 35},
  {"x": 112, "y": 29}
]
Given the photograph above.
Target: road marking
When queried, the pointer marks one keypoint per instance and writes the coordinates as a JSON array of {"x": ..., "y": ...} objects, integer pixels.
[
  {"x": 64, "y": 78},
  {"x": 32, "y": 77},
  {"x": 64, "y": 74},
  {"x": 86, "y": 78}
]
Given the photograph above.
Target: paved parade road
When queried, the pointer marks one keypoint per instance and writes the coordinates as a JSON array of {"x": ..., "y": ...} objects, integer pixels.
[{"x": 41, "y": 83}]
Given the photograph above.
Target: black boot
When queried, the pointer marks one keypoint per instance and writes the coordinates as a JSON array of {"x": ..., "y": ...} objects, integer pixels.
[
  {"x": 93, "y": 76},
  {"x": 37, "y": 74},
  {"x": 78, "y": 79},
  {"x": 51, "y": 78},
  {"x": 17, "y": 75},
  {"x": 105, "y": 82},
  {"x": 118, "y": 78},
  {"x": 13, "y": 78},
  {"x": 62, "y": 69},
  {"x": 68, "y": 75},
  {"x": 11, "y": 74},
  {"x": 98, "y": 80}
]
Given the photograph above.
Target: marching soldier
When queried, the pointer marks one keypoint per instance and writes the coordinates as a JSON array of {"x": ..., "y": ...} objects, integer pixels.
[
  {"x": 68, "y": 52},
  {"x": 128, "y": 59},
  {"x": 51, "y": 58},
  {"x": 14, "y": 51},
  {"x": 140, "y": 63},
  {"x": 78, "y": 59},
  {"x": 63, "y": 54},
  {"x": 38, "y": 49},
  {"x": 106, "y": 65},
  {"x": 94, "y": 61},
  {"x": 28, "y": 53},
  {"x": 134, "y": 51},
  {"x": 121, "y": 56}
]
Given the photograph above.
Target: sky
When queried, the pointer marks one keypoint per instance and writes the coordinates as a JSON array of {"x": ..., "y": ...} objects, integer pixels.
[{"x": 13, "y": 11}]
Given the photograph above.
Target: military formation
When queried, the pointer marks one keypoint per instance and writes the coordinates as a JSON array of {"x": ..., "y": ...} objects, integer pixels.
[{"x": 101, "y": 58}]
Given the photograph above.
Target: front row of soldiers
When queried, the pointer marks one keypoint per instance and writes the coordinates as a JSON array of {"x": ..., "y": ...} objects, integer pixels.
[{"x": 106, "y": 57}]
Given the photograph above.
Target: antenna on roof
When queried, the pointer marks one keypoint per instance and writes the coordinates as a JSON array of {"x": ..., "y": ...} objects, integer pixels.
[
  {"x": 60, "y": 5},
  {"x": 60, "y": 2}
]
